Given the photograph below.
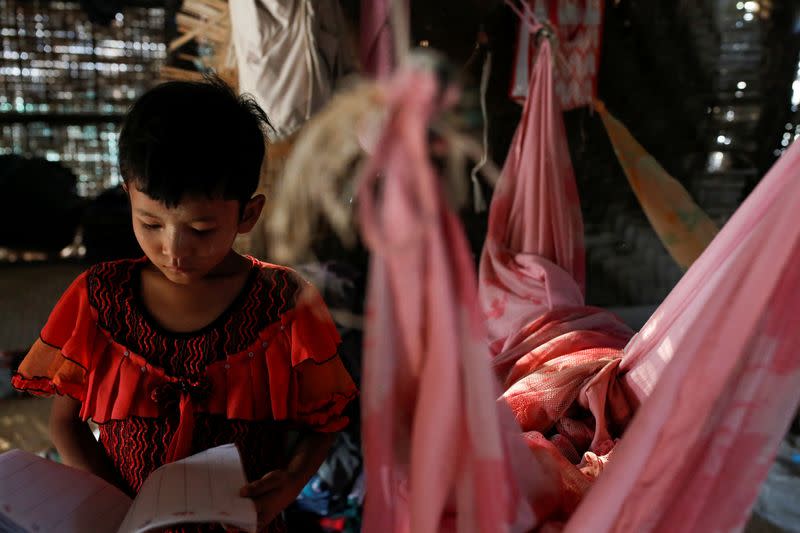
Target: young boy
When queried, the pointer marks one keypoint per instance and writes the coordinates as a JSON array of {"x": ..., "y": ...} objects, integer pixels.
[{"x": 193, "y": 345}]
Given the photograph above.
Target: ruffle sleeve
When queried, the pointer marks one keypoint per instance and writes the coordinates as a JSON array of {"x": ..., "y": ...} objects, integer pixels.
[
  {"x": 320, "y": 386},
  {"x": 59, "y": 361},
  {"x": 292, "y": 374}
]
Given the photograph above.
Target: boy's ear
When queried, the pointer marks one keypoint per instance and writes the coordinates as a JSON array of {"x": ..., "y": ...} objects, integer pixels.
[{"x": 251, "y": 212}]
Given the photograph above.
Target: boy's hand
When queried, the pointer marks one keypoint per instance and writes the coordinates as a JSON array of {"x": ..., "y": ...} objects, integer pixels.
[{"x": 271, "y": 494}]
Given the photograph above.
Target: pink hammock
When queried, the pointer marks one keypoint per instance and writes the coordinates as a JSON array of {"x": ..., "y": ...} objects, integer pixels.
[
  {"x": 718, "y": 367},
  {"x": 440, "y": 452},
  {"x": 719, "y": 348}
]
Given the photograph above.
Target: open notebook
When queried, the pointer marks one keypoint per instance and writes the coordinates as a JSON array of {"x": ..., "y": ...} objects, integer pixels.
[{"x": 37, "y": 495}]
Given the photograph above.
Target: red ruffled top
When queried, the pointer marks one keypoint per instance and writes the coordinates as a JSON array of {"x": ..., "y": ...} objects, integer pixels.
[{"x": 270, "y": 361}]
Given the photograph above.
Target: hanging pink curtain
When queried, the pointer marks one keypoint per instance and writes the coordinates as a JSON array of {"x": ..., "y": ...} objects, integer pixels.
[
  {"x": 440, "y": 452},
  {"x": 717, "y": 366}
]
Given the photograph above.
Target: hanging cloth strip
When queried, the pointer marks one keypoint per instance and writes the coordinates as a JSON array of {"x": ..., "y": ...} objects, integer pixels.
[
  {"x": 533, "y": 258},
  {"x": 441, "y": 454},
  {"x": 578, "y": 27},
  {"x": 684, "y": 229},
  {"x": 376, "y": 49}
]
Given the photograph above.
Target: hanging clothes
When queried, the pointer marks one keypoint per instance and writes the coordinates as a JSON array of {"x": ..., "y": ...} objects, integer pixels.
[
  {"x": 717, "y": 371},
  {"x": 578, "y": 27},
  {"x": 684, "y": 228},
  {"x": 290, "y": 53},
  {"x": 440, "y": 453}
]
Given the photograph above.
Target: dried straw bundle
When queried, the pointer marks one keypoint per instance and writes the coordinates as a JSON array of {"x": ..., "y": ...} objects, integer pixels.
[
  {"x": 317, "y": 180},
  {"x": 207, "y": 22}
]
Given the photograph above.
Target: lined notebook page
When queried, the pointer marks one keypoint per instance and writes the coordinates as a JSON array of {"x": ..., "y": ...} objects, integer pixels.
[
  {"x": 201, "y": 488},
  {"x": 42, "y": 496}
]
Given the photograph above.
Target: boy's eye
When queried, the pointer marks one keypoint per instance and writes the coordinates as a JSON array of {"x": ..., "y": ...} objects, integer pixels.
[
  {"x": 150, "y": 226},
  {"x": 203, "y": 231}
]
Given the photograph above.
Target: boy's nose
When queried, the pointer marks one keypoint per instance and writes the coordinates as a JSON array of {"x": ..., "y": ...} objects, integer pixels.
[{"x": 175, "y": 248}]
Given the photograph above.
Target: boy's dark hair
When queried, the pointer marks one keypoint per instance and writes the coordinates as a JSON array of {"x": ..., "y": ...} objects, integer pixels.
[{"x": 193, "y": 138}]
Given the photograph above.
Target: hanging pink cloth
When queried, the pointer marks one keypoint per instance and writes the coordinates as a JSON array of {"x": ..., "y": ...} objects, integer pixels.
[
  {"x": 533, "y": 258},
  {"x": 376, "y": 47},
  {"x": 440, "y": 452},
  {"x": 718, "y": 370}
]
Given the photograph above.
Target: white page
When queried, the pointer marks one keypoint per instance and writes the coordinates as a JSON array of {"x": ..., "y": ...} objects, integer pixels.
[
  {"x": 201, "y": 488},
  {"x": 44, "y": 496}
]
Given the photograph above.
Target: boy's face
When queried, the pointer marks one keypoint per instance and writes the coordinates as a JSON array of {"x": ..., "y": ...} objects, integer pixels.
[{"x": 188, "y": 241}]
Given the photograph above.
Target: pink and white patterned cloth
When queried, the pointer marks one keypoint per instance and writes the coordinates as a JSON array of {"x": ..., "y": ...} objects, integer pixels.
[
  {"x": 533, "y": 260},
  {"x": 578, "y": 25}
]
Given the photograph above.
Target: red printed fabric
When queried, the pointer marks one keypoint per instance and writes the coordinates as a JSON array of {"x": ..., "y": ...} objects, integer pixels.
[
  {"x": 578, "y": 26},
  {"x": 268, "y": 364},
  {"x": 561, "y": 381}
]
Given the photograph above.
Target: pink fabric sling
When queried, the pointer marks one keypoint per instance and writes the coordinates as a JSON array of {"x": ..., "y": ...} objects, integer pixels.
[
  {"x": 533, "y": 258},
  {"x": 557, "y": 359}
]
